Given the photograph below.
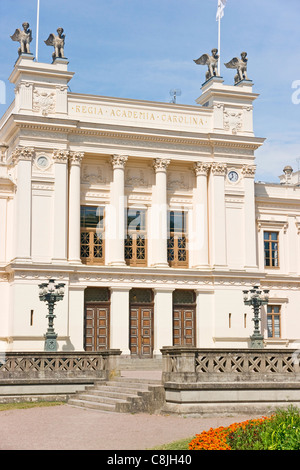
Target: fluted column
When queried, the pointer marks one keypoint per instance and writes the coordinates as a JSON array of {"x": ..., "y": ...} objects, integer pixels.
[
  {"x": 198, "y": 239},
  {"x": 116, "y": 217},
  {"x": 217, "y": 216},
  {"x": 75, "y": 160},
  {"x": 22, "y": 157},
  {"x": 60, "y": 216},
  {"x": 248, "y": 172},
  {"x": 159, "y": 229}
]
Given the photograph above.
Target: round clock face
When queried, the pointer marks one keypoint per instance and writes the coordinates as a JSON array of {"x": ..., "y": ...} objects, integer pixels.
[
  {"x": 233, "y": 176},
  {"x": 42, "y": 162}
]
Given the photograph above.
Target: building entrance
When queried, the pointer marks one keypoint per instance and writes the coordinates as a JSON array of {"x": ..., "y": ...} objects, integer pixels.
[
  {"x": 96, "y": 319},
  {"x": 184, "y": 318},
  {"x": 141, "y": 323}
]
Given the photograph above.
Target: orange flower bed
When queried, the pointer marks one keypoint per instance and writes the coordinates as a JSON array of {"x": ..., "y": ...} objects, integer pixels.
[{"x": 216, "y": 438}]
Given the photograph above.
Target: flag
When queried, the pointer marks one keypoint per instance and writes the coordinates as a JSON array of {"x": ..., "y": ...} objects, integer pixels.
[{"x": 220, "y": 11}]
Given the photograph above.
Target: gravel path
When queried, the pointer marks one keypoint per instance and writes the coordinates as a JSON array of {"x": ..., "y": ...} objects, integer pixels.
[{"x": 65, "y": 427}]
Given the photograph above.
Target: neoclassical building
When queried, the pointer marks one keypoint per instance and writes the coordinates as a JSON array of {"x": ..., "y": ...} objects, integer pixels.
[{"x": 150, "y": 215}]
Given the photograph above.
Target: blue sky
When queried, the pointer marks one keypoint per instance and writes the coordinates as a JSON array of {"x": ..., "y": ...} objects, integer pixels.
[{"x": 144, "y": 48}]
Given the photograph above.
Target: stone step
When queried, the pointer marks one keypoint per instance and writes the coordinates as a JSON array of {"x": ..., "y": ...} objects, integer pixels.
[
  {"x": 92, "y": 404},
  {"x": 97, "y": 398},
  {"x": 112, "y": 393},
  {"x": 123, "y": 395},
  {"x": 135, "y": 363}
]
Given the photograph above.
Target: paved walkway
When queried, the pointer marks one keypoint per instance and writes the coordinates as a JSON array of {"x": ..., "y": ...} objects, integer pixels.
[{"x": 68, "y": 428}]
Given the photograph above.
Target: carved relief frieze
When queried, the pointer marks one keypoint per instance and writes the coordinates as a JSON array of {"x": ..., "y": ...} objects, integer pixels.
[
  {"x": 43, "y": 102},
  {"x": 233, "y": 121},
  {"x": 136, "y": 178},
  {"x": 178, "y": 181},
  {"x": 93, "y": 174}
]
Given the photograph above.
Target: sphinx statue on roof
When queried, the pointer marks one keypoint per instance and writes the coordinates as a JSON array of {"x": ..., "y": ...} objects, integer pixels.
[
  {"x": 58, "y": 42},
  {"x": 24, "y": 37},
  {"x": 212, "y": 63},
  {"x": 241, "y": 67}
]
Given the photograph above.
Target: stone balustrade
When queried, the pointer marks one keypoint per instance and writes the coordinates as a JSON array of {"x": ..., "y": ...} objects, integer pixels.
[
  {"x": 59, "y": 365},
  {"x": 192, "y": 365}
]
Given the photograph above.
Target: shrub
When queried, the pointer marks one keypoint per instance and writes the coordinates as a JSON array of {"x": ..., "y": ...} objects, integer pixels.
[{"x": 281, "y": 431}]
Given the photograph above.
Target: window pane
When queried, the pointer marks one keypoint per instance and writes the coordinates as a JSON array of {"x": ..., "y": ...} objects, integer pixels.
[
  {"x": 266, "y": 235},
  {"x": 274, "y": 236},
  {"x": 270, "y": 326},
  {"x": 276, "y": 326},
  {"x": 177, "y": 222},
  {"x": 136, "y": 219},
  {"x": 92, "y": 216}
]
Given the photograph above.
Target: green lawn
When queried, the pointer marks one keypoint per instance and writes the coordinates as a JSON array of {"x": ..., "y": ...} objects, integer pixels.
[{"x": 23, "y": 405}]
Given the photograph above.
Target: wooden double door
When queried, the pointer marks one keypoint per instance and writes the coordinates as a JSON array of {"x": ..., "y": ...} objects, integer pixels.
[
  {"x": 97, "y": 319},
  {"x": 96, "y": 327},
  {"x": 141, "y": 323},
  {"x": 184, "y": 319}
]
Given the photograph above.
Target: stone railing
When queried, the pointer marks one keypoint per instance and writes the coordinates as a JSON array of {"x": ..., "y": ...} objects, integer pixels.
[
  {"x": 190, "y": 365},
  {"x": 59, "y": 365}
]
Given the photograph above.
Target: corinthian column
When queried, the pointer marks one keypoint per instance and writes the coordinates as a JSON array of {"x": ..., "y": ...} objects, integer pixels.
[
  {"x": 22, "y": 157},
  {"x": 115, "y": 228},
  {"x": 75, "y": 160},
  {"x": 218, "y": 245},
  {"x": 60, "y": 220},
  {"x": 248, "y": 172},
  {"x": 159, "y": 229},
  {"x": 198, "y": 239}
]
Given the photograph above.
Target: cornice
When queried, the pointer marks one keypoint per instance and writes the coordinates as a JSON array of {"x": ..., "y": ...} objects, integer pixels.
[{"x": 74, "y": 127}]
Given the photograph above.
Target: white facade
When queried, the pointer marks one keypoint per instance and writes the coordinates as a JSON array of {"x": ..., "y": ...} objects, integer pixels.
[{"x": 62, "y": 151}]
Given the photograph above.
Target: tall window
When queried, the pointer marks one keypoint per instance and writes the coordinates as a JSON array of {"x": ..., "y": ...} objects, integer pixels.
[
  {"x": 136, "y": 239},
  {"x": 92, "y": 235},
  {"x": 271, "y": 249},
  {"x": 273, "y": 321},
  {"x": 177, "y": 239}
]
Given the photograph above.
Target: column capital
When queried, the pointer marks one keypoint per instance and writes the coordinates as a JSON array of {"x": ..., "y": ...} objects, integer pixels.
[
  {"x": 60, "y": 156},
  {"x": 161, "y": 164},
  {"x": 248, "y": 171},
  {"x": 119, "y": 161},
  {"x": 219, "y": 169},
  {"x": 22, "y": 153},
  {"x": 202, "y": 168},
  {"x": 75, "y": 158}
]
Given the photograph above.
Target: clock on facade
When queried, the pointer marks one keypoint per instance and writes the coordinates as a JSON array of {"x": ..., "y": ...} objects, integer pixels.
[
  {"x": 42, "y": 162},
  {"x": 233, "y": 176}
]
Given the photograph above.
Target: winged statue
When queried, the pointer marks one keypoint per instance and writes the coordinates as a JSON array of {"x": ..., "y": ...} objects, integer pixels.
[
  {"x": 58, "y": 42},
  {"x": 24, "y": 37},
  {"x": 240, "y": 65},
  {"x": 211, "y": 61}
]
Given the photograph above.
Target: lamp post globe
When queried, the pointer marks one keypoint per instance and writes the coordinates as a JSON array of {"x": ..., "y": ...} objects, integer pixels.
[
  {"x": 256, "y": 298},
  {"x": 51, "y": 293}
]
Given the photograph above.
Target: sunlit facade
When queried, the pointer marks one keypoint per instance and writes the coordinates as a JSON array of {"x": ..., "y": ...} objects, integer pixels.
[{"x": 150, "y": 215}]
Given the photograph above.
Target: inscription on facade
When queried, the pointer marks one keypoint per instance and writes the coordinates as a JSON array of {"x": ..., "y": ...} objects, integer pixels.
[{"x": 114, "y": 113}]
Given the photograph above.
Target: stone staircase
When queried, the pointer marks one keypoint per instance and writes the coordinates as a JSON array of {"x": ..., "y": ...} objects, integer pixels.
[{"x": 122, "y": 395}]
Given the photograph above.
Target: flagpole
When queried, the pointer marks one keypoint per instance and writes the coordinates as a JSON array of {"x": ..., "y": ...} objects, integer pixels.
[
  {"x": 219, "y": 46},
  {"x": 37, "y": 30}
]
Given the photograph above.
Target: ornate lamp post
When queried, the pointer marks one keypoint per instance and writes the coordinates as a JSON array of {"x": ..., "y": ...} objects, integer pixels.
[
  {"x": 51, "y": 293},
  {"x": 255, "y": 298}
]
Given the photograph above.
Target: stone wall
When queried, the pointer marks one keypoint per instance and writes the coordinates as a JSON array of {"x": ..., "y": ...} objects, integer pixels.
[{"x": 222, "y": 382}]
